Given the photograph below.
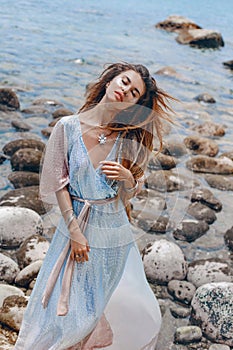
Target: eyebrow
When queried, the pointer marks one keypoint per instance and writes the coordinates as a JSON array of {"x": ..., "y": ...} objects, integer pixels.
[{"x": 134, "y": 88}]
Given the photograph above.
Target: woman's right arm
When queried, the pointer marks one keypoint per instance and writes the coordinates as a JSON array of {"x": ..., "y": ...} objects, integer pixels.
[{"x": 79, "y": 243}]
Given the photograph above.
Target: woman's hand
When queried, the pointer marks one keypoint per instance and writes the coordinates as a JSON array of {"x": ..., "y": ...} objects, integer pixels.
[
  {"x": 116, "y": 171},
  {"x": 79, "y": 245}
]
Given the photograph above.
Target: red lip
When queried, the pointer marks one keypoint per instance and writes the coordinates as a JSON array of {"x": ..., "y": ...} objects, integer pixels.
[{"x": 119, "y": 95}]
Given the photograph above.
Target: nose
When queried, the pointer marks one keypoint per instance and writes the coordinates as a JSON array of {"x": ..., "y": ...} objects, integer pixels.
[{"x": 125, "y": 89}]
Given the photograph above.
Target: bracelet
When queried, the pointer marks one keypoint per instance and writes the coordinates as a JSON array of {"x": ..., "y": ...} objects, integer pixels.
[
  {"x": 69, "y": 220},
  {"x": 132, "y": 189},
  {"x": 65, "y": 211}
]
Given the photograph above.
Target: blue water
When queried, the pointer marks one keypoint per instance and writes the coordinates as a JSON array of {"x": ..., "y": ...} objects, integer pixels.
[{"x": 54, "y": 48}]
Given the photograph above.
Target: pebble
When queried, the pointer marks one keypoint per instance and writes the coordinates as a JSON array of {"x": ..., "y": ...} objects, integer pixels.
[
  {"x": 164, "y": 261},
  {"x": 188, "y": 334},
  {"x": 209, "y": 129},
  {"x": 8, "y": 269},
  {"x": 8, "y": 100},
  {"x": 205, "y": 271},
  {"x": 219, "y": 347},
  {"x": 206, "y": 197},
  {"x": 21, "y": 179},
  {"x": 190, "y": 229},
  {"x": 204, "y": 164},
  {"x": 223, "y": 183},
  {"x": 201, "y": 212},
  {"x": 17, "y": 224},
  {"x": 201, "y": 145},
  {"x": 228, "y": 237},
  {"x": 20, "y": 125},
  {"x": 26, "y": 275},
  {"x": 32, "y": 249},
  {"x": 12, "y": 311},
  {"x": 179, "y": 311},
  {"x": 212, "y": 309},
  {"x": 7, "y": 290},
  {"x": 205, "y": 97},
  {"x": 181, "y": 290}
]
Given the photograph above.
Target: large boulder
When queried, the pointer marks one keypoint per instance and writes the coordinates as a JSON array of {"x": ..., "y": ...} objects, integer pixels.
[
  {"x": 176, "y": 23},
  {"x": 164, "y": 261},
  {"x": 8, "y": 269},
  {"x": 212, "y": 310},
  {"x": 223, "y": 183},
  {"x": 11, "y": 147},
  {"x": 201, "y": 145},
  {"x": 8, "y": 100},
  {"x": 21, "y": 179},
  {"x": 200, "y": 38},
  {"x": 204, "y": 164},
  {"x": 28, "y": 159},
  {"x": 17, "y": 224},
  {"x": 190, "y": 229},
  {"x": 26, "y": 197}
]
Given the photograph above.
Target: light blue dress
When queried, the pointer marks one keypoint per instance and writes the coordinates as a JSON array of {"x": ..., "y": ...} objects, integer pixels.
[{"x": 112, "y": 279}]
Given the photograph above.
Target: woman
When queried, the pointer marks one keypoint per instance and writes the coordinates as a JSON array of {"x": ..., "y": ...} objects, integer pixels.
[{"x": 91, "y": 292}]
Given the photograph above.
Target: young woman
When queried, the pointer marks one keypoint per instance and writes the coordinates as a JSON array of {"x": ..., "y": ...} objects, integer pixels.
[{"x": 91, "y": 292}]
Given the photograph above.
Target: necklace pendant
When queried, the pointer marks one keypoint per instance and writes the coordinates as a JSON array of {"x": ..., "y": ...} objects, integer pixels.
[{"x": 102, "y": 139}]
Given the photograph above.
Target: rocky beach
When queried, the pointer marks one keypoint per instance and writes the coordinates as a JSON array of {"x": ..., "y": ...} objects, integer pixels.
[{"x": 183, "y": 216}]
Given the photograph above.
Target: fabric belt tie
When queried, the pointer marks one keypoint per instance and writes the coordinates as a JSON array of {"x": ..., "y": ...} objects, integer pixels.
[{"x": 63, "y": 301}]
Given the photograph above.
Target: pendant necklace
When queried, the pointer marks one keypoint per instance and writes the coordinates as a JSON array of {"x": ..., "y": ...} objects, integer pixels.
[{"x": 102, "y": 138}]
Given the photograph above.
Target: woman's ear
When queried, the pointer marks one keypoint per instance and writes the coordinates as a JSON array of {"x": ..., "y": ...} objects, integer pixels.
[{"x": 107, "y": 85}]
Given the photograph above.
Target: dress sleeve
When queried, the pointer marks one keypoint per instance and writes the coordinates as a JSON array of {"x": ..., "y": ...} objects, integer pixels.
[{"x": 55, "y": 173}]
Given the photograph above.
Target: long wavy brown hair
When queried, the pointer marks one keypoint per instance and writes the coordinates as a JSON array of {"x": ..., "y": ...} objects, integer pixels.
[{"x": 140, "y": 123}]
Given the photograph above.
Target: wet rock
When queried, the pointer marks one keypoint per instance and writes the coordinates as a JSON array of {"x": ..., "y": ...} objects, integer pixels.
[
  {"x": 17, "y": 224},
  {"x": 200, "y": 38},
  {"x": 47, "y": 131},
  {"x": 172, "y": 73},
  {"x": 228, "y": 237},
  {"x": 62, "y": 112},
  {"x": 53, "y": 122},
  {"x": 212, "y": 310},
  {"x": 20, "y": 125},
  {"x": 164, "y": 261},
  {"x": 208, "y": 271},
  {"x": 47, "y": 102},
  {"x": 206, "y": 197},
  {"x": 8, "y": 269},
  {"x": 204, "y": 164},
  {"x": 8, "y": 100},
  {"x": 188, "y": 334},
  {"x": 189, "y": 230},
  {"x": 205, "y": 97},
  {"x": 209, "y": 129},
  {"x": 21, "y": 179},
  {"x": 201, "y": 145},
  {"x": 3, "y": 157},
  {"x": 35, "y": 110},
  {"x": 167, "y": 181},
  {"x": 26, "y": 197},
  {"x": 174, "y": 148},
  {"x": 227, "y": 154},
  {"x": 181, "y": 290},
  {"x": 201, "y": 212},
  {"x": 223, "y": 183},
  {"x": 228, "y": 64},
  {"x": 30, "y": 272},
  {"x": 7, "y": 290},
  {"x": 180, "y": 311},
  {"x": 176, "y": 23},
  {"x": 158, "y": 225},
  {"x": 11, "y": 313},
  {"x": 162, "y": 161},
  {"x": 28, "y": 159},
  {"x": 32, "y": 249},
  {"x": 219, "y": 347},
  {"x": 11, "y": 147}
]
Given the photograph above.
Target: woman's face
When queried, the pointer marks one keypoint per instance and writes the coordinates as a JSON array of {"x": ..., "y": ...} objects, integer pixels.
[{"x": 126, "y": 87}]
